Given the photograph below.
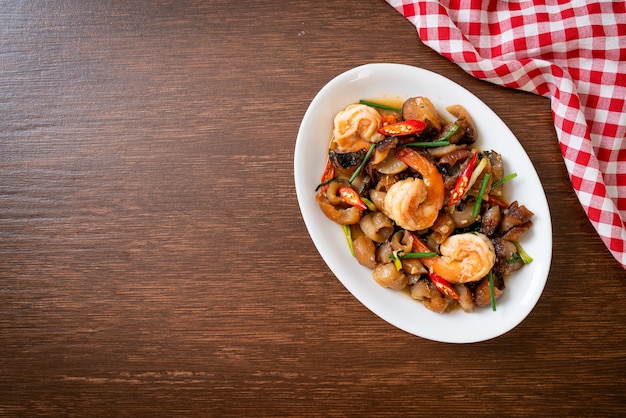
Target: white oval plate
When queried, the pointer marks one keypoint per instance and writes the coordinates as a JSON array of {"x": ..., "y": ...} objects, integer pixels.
[{"x": 379, "y": 81}]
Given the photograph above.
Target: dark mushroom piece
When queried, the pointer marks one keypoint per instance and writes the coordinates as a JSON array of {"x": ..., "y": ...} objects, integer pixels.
[
  {"x": 490, "y": 220},
  {"x": 455, "y": 156},
  {"x": 482, "y": 293},
  {"x": 497, "y": 171},
  {"x": 465, "y": 123},
  {"x": 507, "y": 258},
  {"x": 514, "y": 215},
  {"x": 515, "y": 233},
  {"x": 346, "y": 159},
  {"x": 421, "y": 108}
]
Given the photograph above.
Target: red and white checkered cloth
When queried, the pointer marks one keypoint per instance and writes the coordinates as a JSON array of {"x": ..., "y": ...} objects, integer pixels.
[{"x": 573, "y": 52}]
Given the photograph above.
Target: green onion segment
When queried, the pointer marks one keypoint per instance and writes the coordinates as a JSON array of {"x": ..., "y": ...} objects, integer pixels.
[
  {"x": 398, "y": 255},
  {"x": 325, "y": 183},
  {"x": 360, "y": 167},
  {"x": 428, "y": 144},
  {"x": 503, "y": 179},
  {"x": 481, "y": 193},
  {"x": 380, "y": 106},
  {"x": 402, "y": 254},
  {"x": 450, "y": 132},
  {"x": 527, "y": 259},
  {"x": 348, "y": 233}
]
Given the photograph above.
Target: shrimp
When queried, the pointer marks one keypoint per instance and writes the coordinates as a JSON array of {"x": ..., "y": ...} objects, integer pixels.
[
  {"x": 356, "y": 128},
  {"x": 414, "y": 203},
  {"x": 464, "y": 257}
]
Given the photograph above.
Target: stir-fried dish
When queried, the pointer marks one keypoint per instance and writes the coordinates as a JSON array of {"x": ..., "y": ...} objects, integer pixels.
[{"x": 421, "y": 206}]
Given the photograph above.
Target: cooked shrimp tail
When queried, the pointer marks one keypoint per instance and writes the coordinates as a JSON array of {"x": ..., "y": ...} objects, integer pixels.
[
  {"x": 414, "y": 203},
  {"x": 465, "y": 258}
]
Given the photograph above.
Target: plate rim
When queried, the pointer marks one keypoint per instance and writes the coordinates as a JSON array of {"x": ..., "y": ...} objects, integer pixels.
[{"x": 363, "y": 72}]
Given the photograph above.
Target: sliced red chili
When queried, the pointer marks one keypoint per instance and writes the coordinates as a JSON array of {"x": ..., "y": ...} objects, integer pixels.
[
  {"x": 462, "y": 183},
  {"x": 351, "y": 197},
  {"x": 443, "y": 286},
  {"x": 406, "y": 127},
  {"x": 327, "y": 175}
]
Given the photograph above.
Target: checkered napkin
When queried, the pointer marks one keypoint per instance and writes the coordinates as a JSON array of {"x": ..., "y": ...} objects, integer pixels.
[{"x": 573, "y": 52}]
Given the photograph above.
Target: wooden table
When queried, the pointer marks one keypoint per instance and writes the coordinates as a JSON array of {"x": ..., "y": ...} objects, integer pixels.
[{"x": 153, "y": 260}]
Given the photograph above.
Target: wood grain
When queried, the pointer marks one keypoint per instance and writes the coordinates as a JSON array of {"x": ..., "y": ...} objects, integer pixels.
[{"x": 153, "y": 260}]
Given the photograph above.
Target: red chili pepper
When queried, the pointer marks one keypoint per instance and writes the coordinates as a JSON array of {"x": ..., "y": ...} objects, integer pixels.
[
  {"x": 406, "y": 127},
  {"x": 327, "y": 175},
  {"x": 440, "y": 283},
  {"x": 443, "y": 286},
  {"x": 462, "y": 184},
  {"x": 351, "y": 197}
]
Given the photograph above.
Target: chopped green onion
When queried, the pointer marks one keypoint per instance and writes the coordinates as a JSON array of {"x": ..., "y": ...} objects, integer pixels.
[
  {"x": 503, "y": 179},
  {"x": 481, "y": 193},
  {"x": 428, "y": 144},
  {"x": 325, "y": 183},
  {"x": 425, "y": 254},
  {"x": 450, "y": 132},
  {"x": 360, "y": 167},
  {"x": 492, "y": 292},
  {"x": 348, "y": 233},
  {"x": 370, "y": 205},
  {"x": 527, "y": 259},
  {"x": 380, "y": 106},
  {"x": 396, "y": 259}
]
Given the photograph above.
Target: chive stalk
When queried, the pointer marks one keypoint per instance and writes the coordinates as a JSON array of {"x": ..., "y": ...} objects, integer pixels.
[
  {"x": 428, "y": 144},
  {"x": 348, "y": 234},
  {"x": 527, "y": 259},
  {"x": 450, "y": 132},
  {"x": 380, "y": 106},
  {"x": 325, "y": 183},
  {"x": 360, "y": 167},
  {"x": 481, "y": 193},
  {"x": 425, "y": 254},
  {"x": 503, "y": 179}
]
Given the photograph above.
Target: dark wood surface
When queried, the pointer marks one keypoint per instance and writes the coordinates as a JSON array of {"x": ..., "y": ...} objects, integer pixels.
[{"x": 153, "y": 260}]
